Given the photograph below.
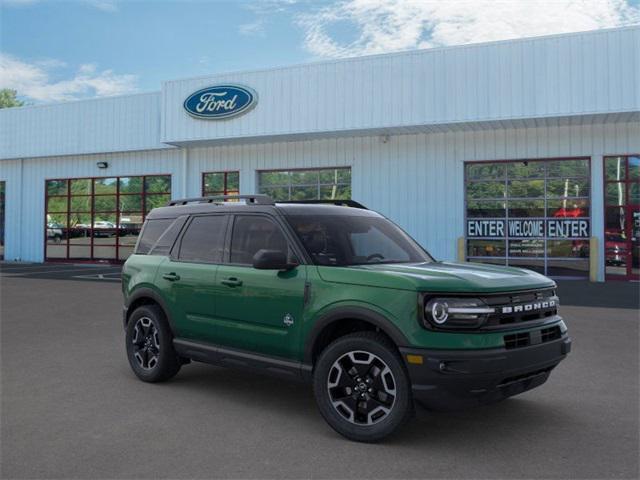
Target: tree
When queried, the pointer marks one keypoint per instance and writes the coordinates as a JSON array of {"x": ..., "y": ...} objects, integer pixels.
[{"x": 8, "y": 98}]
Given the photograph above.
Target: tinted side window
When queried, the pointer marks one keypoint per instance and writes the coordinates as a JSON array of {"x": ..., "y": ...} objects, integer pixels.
[
  {"x": 168, "y": 238},
  {"x": 204, "y": 239},
  {"x": 253, "y": 233},
  {"x": 151, "y": 233}
]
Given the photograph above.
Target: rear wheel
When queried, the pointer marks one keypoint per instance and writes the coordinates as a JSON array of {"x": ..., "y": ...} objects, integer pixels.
[
  {"x": 362, "y": 388},
  {"x": 150, "y": 345}
]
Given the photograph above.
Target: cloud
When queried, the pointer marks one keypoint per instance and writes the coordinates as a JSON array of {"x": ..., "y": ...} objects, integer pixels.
[
  {"x": 253, "y": 28},
  {"x": 34, "y": 80},
  {"x": 381, "y": 26}
]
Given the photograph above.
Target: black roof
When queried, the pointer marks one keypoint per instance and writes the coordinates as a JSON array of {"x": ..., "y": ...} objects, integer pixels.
[{"x": 257, "y": 204}]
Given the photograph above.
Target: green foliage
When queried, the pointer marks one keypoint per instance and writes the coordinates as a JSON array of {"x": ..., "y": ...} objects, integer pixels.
[{"x": 8, "y": 98}]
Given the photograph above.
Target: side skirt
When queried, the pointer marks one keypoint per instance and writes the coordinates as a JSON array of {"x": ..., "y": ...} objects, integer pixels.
[{"x": 232, "y": 358}]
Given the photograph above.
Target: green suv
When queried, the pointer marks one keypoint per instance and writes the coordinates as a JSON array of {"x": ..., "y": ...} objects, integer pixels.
[{"x": 338, "y": 296}]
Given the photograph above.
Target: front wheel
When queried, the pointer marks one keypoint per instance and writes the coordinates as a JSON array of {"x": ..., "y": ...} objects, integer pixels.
[
  {"x": 362, "y": 388},
  {"x": 150, "y": 345}
]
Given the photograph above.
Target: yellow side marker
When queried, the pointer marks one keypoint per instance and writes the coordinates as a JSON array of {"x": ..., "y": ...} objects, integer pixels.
[{"x": 415, "y": 359}]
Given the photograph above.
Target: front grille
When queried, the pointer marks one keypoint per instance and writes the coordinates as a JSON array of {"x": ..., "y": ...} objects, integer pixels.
[
  {"x": 524, "y": 339},
  {"x": 516, "y": 308}
]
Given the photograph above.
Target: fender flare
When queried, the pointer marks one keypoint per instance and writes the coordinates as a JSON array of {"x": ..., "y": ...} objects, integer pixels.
[
  {"x": 352, "y": 313},
  {"x": 146, "y": 292}
]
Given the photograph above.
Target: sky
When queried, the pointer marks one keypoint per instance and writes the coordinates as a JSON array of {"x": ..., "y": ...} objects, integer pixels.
[{"x": 55, "y": 50}]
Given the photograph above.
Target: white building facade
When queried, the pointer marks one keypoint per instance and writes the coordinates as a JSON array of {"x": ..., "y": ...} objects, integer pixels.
[{"x": 523, "y": 152}]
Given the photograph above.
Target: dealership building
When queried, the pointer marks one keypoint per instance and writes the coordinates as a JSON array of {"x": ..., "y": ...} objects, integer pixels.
[{"x": 522, "y": 152}]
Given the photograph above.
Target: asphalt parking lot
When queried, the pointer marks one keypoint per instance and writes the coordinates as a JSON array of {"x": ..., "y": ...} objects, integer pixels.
[{"x": 71, "y": 408}]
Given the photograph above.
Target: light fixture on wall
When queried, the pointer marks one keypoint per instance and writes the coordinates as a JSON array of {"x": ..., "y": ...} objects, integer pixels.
[{"x": 102, "y": 165}]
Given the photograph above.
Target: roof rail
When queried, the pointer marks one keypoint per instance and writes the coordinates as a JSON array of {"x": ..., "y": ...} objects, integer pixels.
[
  {"x": 249, "y": 199},
  {"x": 341, "y": 203}
]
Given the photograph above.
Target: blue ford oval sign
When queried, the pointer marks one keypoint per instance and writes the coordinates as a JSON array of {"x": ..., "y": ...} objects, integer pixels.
[{"x": 220, "y": 101}]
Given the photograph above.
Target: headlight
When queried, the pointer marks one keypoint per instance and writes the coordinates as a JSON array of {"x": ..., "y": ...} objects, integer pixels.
[{"x": 456, "y": 312}]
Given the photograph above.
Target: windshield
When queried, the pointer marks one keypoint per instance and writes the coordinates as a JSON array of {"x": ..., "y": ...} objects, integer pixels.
[{"x": 343, "y": 240}]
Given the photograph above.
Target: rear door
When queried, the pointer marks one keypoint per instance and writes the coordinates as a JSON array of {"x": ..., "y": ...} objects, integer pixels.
[
  {"x": 259, "y": 310},
  {"x": 188, "y": 276}
]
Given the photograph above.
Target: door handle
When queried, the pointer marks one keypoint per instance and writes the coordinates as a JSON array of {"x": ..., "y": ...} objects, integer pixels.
[
  {"x": 232, "y": 282},
  {"x": 172, "y": 277}
]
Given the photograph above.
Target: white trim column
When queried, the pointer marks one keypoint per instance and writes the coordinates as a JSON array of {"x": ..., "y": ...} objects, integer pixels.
[{"x": 597, "y": 210}]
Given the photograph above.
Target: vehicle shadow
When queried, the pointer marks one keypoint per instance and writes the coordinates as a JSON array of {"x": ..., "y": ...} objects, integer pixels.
[{"x": 294, "y": 401}]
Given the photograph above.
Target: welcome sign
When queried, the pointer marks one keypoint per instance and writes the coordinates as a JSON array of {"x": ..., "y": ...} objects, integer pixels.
[
  {"x": 528, "y": 228},
  {"x": 220, "y": 102}
]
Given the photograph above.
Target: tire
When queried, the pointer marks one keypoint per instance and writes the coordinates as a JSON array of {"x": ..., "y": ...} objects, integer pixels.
[
  {"x": 379, "y": 383},
  {"x": 149, "y": 344}
]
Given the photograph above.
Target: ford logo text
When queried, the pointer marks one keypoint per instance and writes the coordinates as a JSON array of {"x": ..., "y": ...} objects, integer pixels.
[{"x": 220, "y": 102}]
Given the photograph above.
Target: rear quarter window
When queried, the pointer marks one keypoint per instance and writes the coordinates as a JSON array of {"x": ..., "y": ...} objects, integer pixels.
[{"x": 151, "y": 232}]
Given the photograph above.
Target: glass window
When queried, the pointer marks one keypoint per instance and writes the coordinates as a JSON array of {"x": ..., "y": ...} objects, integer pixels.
[
  {"x": 615, "y": 193},
  {"x": 568, "y": 248},
  {"x": 486, "y": 248},
  {"x": 355, "y": 240},
  {"x": 104, "y": 186},
  {"x": 615, "y": 168},
  {"x": 526, "y": 248},
  {"x": 568, "y": 168},
  {"x": 151, "y": 233},
  {"x": 157, "y": 184},
  {"x": 80, "y": 204},
  {"x": 308, "y": 184},
  {"x": 156, "y": 200},
  {"x": 634, "y": 168},
  {"x": 131, "y": 184},
  {"x": 486, "y": 209},
  {"x": 569, "y": 208},
  {"x": 526, "y": 188},
  {"x": 100, "y": 217},
  {"x": 486, "y": 171},
  {"x": 525, "y": 169},
  {"x": 541, "y": 202},
  {"x": 105, "y": 203},
  {"x": 204, "y": 239},
  {"x": 80, "y": 186},
  {"x": 167, "y": 239},
  {"x": 570, "y": 187},
  {"x": 526, "y": 208},
  {"x": 486, "y": 190},
  {"x": 220, "y": 183},
  {"x": 57, "y": 187},
  {"x": 252, "y": 233},
  {"x": 57, "y": 204}
]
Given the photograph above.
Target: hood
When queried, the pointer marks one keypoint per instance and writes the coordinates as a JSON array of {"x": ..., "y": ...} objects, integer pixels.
[{"x": 438, "y": 277}]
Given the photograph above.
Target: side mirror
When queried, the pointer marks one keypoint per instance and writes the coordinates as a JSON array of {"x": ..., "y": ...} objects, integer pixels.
[{"x": 272, "y": 260}]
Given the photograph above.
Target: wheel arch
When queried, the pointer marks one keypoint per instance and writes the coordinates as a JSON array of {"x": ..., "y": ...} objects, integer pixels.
[
  {"x": 350, "y": 319},
  {"x": 147, "y": 296}
]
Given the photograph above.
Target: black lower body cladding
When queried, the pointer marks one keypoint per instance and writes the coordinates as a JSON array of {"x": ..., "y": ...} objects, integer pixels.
[{"x": 452, "y": 379}]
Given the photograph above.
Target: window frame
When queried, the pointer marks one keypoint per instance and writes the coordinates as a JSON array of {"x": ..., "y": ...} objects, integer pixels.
[
  {"x": 174, "y": 254},
  {"x": 91, "y": 212},
  {"x": 627, "y": 207},
  {"x": 226, "y": 190},
  {"x": 318, "y": 185},
  {"x": 510, "y": 260}
]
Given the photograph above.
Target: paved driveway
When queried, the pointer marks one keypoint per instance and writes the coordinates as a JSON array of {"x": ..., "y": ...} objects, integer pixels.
[{"x": 71, "y": 408}]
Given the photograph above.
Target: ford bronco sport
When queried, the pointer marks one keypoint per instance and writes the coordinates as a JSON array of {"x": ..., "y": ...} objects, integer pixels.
[{"x": 339, "y": 296}]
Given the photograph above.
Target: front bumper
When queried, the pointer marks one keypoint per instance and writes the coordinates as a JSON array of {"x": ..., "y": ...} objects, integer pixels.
[{"x": 451, "y": 379}]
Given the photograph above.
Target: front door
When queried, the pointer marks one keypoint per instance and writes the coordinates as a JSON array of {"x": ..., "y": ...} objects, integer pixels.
[
  {"x": 259, "y": 310},
  {"x": 622, "y": 217}
]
